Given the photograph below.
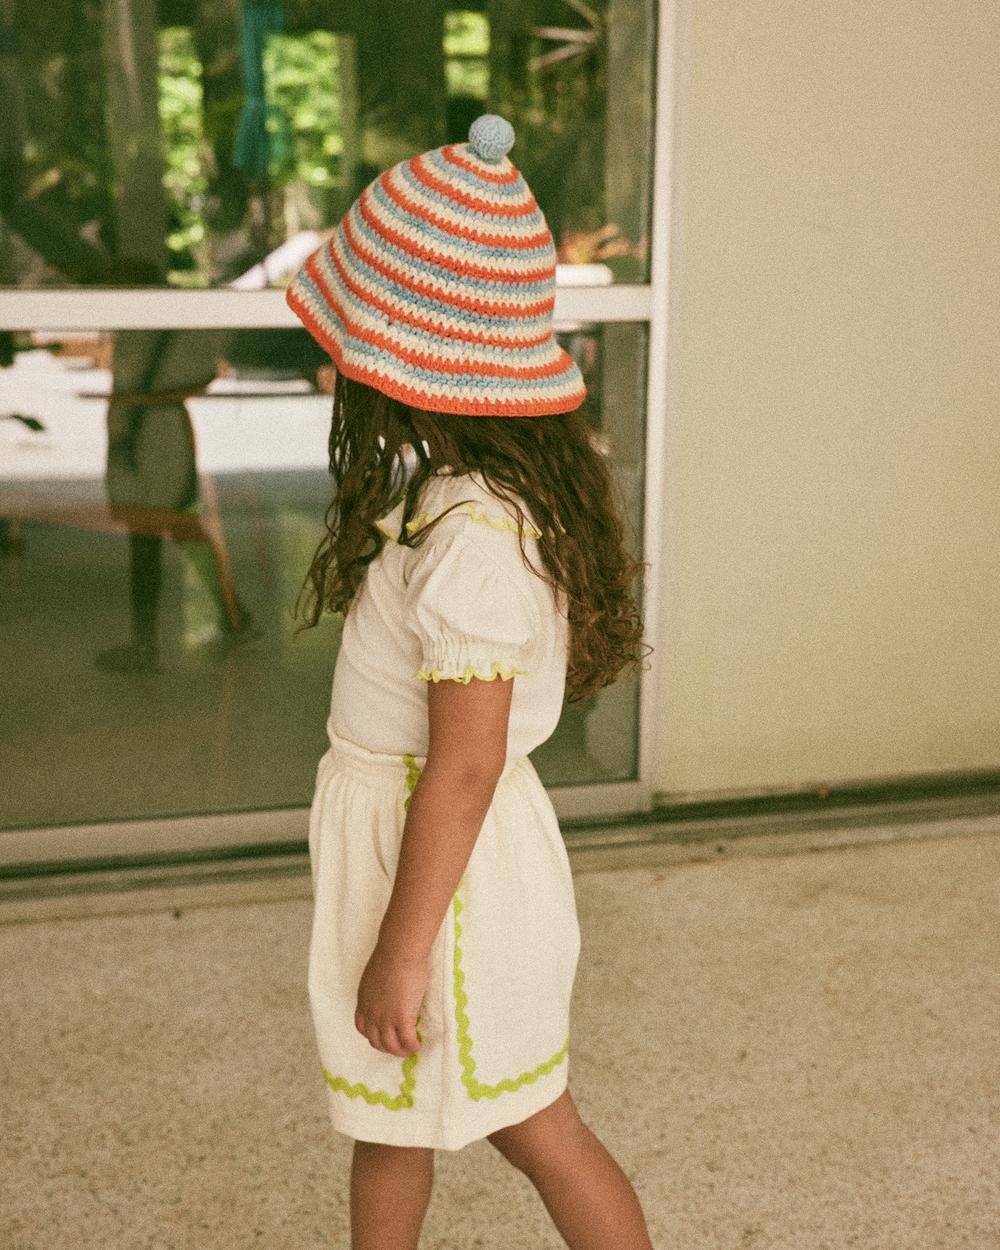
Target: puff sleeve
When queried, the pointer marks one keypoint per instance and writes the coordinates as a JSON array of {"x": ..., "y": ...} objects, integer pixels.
[{"x": 471, "y": 611}]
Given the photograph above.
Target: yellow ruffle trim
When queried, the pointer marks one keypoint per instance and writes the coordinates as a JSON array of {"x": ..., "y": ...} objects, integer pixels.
[
  {"x": 475, "y": 514},
  {"x": 502, "y": 670}
]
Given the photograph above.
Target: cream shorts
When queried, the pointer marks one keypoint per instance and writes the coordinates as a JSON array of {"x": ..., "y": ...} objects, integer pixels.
[{"x": 495, "y": 1018}]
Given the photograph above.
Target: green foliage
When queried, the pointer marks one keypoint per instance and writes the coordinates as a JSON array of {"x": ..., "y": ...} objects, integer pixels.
[
  {"x": 184, "y": 178},
  {"x": 302, "y": 73},
  {"x": 303, "y": 121},
  {"x": 466, "y": 53},
  {"x": 466, "y": 33}
]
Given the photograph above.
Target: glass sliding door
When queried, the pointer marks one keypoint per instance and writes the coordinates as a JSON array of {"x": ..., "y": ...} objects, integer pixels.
[{"x": 163, "y": 474}]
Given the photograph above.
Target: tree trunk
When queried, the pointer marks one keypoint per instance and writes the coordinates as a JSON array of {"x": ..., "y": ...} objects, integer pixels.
[{"x": 133, "y": 122}]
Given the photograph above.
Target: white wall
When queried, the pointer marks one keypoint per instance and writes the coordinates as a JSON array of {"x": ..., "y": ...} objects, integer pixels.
[{"x": 830, "y": 593}]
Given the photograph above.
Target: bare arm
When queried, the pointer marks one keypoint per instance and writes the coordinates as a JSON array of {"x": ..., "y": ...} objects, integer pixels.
[{"x": 465, "y": 757}]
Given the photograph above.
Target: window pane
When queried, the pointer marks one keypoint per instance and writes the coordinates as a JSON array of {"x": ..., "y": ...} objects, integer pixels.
[
  {"x": 190, "y": 523},
  {"x": 181, "y": 143}
]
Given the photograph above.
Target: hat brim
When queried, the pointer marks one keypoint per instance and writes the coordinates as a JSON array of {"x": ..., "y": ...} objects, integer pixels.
[{"x": 367, "y": 355}]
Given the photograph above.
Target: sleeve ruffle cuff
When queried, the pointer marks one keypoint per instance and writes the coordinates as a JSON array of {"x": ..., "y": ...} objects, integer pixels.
[{"x": 449, "y": 670}]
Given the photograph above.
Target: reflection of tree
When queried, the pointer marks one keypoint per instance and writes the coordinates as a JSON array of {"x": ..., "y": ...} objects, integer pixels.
[
  {"x": 216, "y": 42},
  {"x": 79, "y": 135},
  {"x": 572, "y": 78},
  {"x": 82, "y": 168},
  {"x": 55, "y": 179},
  {"x": 362, "y": 88},
  {"x": 556, "y": 110},
  {"x": 133, "y": 129},
  {"x": 571, "y": 41}
]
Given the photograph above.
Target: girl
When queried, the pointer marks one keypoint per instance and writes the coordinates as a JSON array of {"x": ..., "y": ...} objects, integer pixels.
[{"x": 477, "y": 588}]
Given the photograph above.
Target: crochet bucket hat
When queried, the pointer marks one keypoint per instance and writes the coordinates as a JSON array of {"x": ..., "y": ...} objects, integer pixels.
[{"x": 437, "y": 287}]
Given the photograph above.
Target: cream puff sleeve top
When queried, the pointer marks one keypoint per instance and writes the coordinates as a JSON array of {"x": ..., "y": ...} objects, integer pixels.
[{"x": 461, "y": 605}]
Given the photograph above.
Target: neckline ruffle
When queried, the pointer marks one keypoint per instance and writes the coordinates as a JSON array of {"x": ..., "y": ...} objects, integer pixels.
[{"x": 488, "y": 511}]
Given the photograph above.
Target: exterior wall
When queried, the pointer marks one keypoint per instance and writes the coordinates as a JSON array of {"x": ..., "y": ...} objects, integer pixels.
[{"x": 830, "y": 581}]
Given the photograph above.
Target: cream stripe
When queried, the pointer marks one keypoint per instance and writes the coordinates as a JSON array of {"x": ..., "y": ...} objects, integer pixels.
[
  {"x": 496, "y": 392},
  {"x": 509, "y": 228},
  {"x": 500, "y": 265},
  {"x": 489, "y": 297},
  {"x": 508, "y": 328},
  {"x": 546, "y": 353}
]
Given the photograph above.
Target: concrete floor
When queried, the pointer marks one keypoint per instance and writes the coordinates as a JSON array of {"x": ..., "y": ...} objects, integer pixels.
[{"x": 789, "y": 1052}]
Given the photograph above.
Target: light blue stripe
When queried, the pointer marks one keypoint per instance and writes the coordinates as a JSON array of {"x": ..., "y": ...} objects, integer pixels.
[
  {"x": 474, "y": 218},
  {"x": 434, "y": 341},
  {"x": 471, "y": 382},
  {"x": 436, "y": 232},
  {"x": 434, "y": 269},
  {"x": 425, "y": 303},
  {"x": 509, "y": 190}
]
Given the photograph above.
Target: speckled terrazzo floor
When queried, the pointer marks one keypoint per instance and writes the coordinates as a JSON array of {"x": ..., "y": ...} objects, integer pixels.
[{"x": 796, "y": 1052}]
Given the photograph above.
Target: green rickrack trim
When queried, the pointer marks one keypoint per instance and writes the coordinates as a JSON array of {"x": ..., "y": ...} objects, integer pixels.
[
  {"x": 505, "y": 672},
  {"x": 474, "y": 513},
  {"x": 412, "y": 777},
  {"x": 376, "y": 1097},
  {"x": 381, "y": 1097},
  {"x": 475, "y": 1088}
]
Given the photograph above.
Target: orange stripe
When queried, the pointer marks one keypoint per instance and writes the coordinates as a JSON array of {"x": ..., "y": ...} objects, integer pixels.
[
  {"x": 420, "y": 287},
  {"x": 412, "y": 318},
  {"x": 402, "y": 200},
  {"x": 452, "y": 154},
  {"x": 421, "y": 323},
  {"x": 423, "y": 173},
  {"x": 410, "y": 395},
  {"x": 464, "y": 268},
  {"x": 540, "y": 238},
  {"x": 425, "y": 359}
]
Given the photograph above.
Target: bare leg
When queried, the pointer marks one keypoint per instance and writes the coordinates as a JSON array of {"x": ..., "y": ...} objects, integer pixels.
[
  {"x": 589, "y": 1197},
  {"x": 390, "y": 1190}
]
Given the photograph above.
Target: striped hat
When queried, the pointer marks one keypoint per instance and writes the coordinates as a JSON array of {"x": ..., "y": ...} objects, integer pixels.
[{"x": 437, "y": 287}]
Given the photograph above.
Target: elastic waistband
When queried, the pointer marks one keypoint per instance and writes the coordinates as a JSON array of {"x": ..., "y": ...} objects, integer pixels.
[{"x": 360, "y": 758}]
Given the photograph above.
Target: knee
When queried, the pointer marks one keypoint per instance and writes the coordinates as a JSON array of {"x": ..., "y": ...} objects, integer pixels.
[
  {"x": 529, "y": 1145},
  {"x": 517, "y": 1152}
]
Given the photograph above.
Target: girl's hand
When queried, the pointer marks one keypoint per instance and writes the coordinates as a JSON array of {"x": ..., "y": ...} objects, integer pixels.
[{"x": 389, "y": 998}]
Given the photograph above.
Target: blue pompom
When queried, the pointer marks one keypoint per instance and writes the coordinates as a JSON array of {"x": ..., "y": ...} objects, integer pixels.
[{"x": 491, "y": 137}]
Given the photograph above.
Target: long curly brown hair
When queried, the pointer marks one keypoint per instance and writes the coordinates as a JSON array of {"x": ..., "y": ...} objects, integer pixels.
[{"x": 549, "y": 463}]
